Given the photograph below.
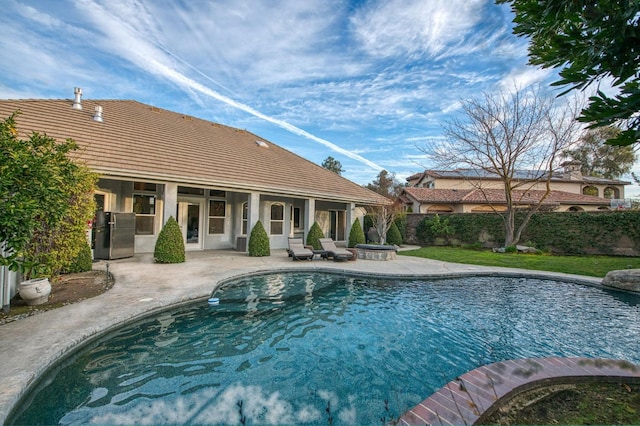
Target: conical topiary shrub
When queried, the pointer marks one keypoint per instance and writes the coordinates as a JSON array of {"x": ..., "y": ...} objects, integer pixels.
[
  {"x": 314, "y": 235},
  {"x": 393, "y": 235},
  {"x": 170, "y": 245},
  {"x": 356, "y": 235},
  {"x": 259, "y": 241}
]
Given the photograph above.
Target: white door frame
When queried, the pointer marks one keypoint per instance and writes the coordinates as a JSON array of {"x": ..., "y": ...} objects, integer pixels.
[{"x": 192, "y": 241}]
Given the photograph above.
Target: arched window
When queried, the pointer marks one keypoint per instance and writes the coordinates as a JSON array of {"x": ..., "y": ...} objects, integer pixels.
[
  {"x": 610, "y": 192},
  {"x": 575, "y": 209},
  {"x": 439, "y": 208},
  {"x": 277, "y": 219},
  {"x": 590, "y": 190}
]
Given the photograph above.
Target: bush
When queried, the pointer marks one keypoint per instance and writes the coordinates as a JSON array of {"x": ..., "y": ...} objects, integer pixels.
[
  {"x": 170, "y": 245},
  {"x": 393, "y": 235},
  {"x": 259, "y": 241},
  {"x": 83, "y": 262},
  {"x": 356, "y": 235},
  {"x": 313, "y": 238},
  {"x": 401, "y": 223}
]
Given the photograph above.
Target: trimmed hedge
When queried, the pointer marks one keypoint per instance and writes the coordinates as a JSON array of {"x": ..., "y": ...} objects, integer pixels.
[
  {"x": 577, "y": 233},
  {"x": 259, "y": 241},
  {"x": 356, "y": 235},
  {"x": 169, "y": 247},
  {"x": 314, "y": 235},
  {"x": 83, "y": 262}
]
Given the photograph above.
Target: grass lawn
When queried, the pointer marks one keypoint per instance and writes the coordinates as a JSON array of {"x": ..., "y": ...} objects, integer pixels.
[{"x": 596, "y": 266}]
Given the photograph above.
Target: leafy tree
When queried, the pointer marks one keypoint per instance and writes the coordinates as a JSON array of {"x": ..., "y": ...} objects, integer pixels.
[
  {"x": 44, "y": 202},
  {"x": 314, "y": 235},
  {"x": 259, "y": 241},
  {"x": 512, "y": 138},
  {"x": 356, "y": 235},
  {"x": 599, "y": 159},
  {"x": 333, "y": 165},
  {"x": 386, "y": 184},
  {"x": 169, "y": 246},
  {"x": 590, "y": 41}
]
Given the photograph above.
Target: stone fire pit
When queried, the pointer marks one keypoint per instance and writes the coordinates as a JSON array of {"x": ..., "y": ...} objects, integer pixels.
[{"x": 376, "y": 252}]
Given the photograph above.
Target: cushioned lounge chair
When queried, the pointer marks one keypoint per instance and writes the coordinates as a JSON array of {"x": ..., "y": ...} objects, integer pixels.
[
  {"x": 337, "y": 253},
  {"x": 298, "y": 251}
]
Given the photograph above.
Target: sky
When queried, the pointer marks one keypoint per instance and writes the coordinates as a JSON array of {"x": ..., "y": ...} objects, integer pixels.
[{"x": 369, "y": 83}]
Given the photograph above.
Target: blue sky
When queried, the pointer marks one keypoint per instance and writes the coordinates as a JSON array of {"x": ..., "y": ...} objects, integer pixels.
[{"x": 366, "y": 82}]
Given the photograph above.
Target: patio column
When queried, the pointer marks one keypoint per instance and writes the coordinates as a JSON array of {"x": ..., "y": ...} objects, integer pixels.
[
  {"x": 309, "y": 215},
  {"x": 351, "y": 217},
  {"x": 253, "y": 211},
  {"x": 170, "y": 202}
]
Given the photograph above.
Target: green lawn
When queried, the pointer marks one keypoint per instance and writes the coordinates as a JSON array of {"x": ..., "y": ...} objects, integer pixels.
[{"x": 596, "y": 266}]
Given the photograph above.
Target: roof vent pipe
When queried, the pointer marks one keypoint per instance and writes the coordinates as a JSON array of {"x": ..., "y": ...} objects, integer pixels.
[
  {"x": 77, "y": 101},
  {"x": 98, "y": 115}
]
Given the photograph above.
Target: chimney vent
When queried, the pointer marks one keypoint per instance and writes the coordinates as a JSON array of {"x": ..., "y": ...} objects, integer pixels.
[
  {"x": 98, "y": 115},
  {"x": 77, "y": 101}
]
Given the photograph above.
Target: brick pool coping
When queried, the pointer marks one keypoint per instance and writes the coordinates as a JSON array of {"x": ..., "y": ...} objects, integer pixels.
[{"x": 479, "y": 393}]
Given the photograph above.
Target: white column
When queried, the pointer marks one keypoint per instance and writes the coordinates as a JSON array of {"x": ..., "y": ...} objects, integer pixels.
[
  {"x": 170, "y": 201},
  {"x": 309, "y": 215},
  {"x": 253, "y": 211},
  {"x": 351, "y": 217}
]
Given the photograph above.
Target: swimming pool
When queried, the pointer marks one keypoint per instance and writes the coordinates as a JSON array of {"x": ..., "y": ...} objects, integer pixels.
[{"x": 300, "y": 348}]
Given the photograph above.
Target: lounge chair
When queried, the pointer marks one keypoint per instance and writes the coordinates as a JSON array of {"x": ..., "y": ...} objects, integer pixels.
[
  {"x": 298, "y": 251},
  {"x": 334, "y": 252}
]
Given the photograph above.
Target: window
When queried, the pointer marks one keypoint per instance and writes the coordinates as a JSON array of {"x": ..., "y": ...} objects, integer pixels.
[
  {"x": 296, "y": 217},
  {"x": 144, "y": 186},
  {"x": 245, "y": 218},
  {"x": 144, "y": 206},
  {"x": 217, "y": 193},
  {"x": 217, "y": 213},
  {"x": 186, "y": 190},
  {"x": 277, "y": 219}
]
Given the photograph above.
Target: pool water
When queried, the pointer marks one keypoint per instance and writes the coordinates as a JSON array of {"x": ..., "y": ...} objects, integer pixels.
[{"x": 321, "y": 349}]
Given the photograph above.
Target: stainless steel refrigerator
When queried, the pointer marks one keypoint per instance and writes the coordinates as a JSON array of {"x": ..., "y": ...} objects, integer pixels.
[{"x": 114, "y": 235}]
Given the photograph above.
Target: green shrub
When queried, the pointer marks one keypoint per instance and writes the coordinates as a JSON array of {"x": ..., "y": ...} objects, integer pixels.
[
  {"x": 393, "y": 235},
  {"x": 511, "y": 249},
  {"x": 314, "y": 235},
  {"x": 401, "y": 223},
  {"x": 170, "y": 245},
  {"x": 356, "y": 235},
  {"x": 83, "y": 262},
  {"x": 259, "y": 241}
]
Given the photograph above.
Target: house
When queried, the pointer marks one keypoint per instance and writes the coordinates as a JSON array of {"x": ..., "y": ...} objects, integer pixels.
[
  {"x": 475, "y": 191},
  {"x": 216, "y": 180}
]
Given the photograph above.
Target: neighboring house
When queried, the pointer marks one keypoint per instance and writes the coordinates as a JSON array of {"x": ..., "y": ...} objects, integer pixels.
[
  {"x": 217, "y": 181},
  {"x": 474, "y": 191}
]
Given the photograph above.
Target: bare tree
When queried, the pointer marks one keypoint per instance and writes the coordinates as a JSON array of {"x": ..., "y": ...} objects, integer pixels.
[
  {"x": 383, "y": 217},
  {"x": 514, "y": 138}
]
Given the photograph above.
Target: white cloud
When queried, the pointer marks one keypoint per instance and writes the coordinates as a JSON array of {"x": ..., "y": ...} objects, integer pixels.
[
  {"x": 122, "y": 37},
  {"x": 412, "y": 28}
]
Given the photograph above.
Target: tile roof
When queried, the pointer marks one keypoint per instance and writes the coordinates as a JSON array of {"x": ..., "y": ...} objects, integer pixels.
[
  {"x": 496, "y": 196},
  {"x": 139, "y": 141},
  {"x": 477, "y": 174}
]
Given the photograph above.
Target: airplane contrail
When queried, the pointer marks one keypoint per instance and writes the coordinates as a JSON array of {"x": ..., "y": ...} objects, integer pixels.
[{"x": 130, "y": 38}]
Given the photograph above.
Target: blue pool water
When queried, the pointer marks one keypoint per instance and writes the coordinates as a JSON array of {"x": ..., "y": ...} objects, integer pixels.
[{"x": 300, "y": 348}]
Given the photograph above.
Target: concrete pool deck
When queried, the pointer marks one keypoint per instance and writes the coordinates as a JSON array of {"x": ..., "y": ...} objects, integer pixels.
[{"x": 30, "y": 346}]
